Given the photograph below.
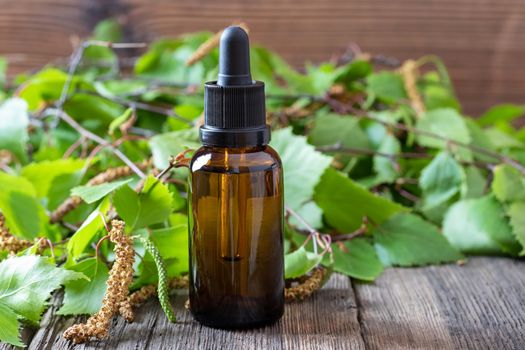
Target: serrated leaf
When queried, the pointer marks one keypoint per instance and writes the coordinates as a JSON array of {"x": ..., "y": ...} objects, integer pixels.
[
  {"x": 166, "y": 60},
  {"x": 26, "y": 282},
  {"x": 408, "y": 240},
  {"x": 86, "y": 232},
  {"x": 502, "y": 140},
  {"x": 479, "y": 226},
  {"x": 345, "y": 203},
  {"x": 298, "y": 158},
  {"x": 14, "y": 120},
  {"x": 300, "y": 262},
  {"x": 9, "y": 326},
  {"x": 152, "y": 205},
  {"x": 508, "y": 184},
  {"x": 108, "y": 30},
  {"x": 46, "y": 86},
  {"x": 388, "y": 86},
  {"x": 85, "y": 296},
  {"x": 53, "y": 179},
  {"x": 447, "y": 123},
  {"x": 331, "y": 129},
  {"x": 516, "y": 214},
  {"x": 475, "y": 183},
  {"x": 85, "y": 107},
  {"x": 503, "y": 113},
  {"x": 358, "y": 259},
  {"x": 383, "y": 166},
  {"x": 91, "y": 194},
  {"x": 18, "y": 203},
  {"x": 170, "y": 144},
  {"x": 440, "y": 180}
]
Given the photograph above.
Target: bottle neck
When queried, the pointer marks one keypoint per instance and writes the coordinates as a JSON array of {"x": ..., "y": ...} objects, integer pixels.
[{"x": 235, "y": 138}]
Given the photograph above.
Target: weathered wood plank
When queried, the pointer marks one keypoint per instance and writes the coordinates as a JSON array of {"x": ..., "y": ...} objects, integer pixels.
[
  {"x": 326, "y": 321},
  {"x": 477, "y": 306},
  {"x": 479, "y": 40}
]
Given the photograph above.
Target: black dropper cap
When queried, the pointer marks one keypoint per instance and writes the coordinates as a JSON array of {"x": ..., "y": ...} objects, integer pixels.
[{"x": 234, "y": 105}]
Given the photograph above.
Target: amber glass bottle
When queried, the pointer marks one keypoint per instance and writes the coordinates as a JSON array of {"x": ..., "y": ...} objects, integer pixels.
[{"x": 236, "y": 201}]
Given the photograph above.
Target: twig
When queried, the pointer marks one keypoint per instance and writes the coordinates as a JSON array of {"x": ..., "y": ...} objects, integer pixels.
[
  {"x": 362, "y": 230},
  {"x": 75, "y": 60},
  {"x": 342, "y": 108},
  {"x": 178, "y": 161},
  {"x": 89, "y": 135},
  {"x": 369, "y": 152}
]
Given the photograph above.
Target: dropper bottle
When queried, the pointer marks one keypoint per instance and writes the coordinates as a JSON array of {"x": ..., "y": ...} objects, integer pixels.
[{"x": 236, "y": 201}]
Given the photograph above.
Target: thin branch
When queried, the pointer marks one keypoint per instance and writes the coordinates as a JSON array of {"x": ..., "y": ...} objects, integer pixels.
[
  {"x": 341, "y": 107},
  {"x": 338, "y": 148},
  {"x": 102, "y": 142}
]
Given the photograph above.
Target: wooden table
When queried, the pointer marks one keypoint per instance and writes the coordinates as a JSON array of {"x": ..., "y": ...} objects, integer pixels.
[{"x": 477, "y": 306}]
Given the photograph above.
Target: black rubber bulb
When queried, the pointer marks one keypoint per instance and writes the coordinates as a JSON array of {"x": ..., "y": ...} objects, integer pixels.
[{"x": 234, "y": 58}]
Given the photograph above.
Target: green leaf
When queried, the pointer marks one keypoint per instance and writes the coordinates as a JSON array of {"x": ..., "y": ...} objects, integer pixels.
[
  {"x": 508, "y": 184},
  {"x": 440, "y": 180},
  {"x": 91, "y": 194},
  {"x": 502, "y": 140},
  {"x": 85, "y": 296},
  {"x": 26, "y": 282},
  {"x": 331, "y": 129},
  {"x": 91, "y": 107},
  {"x": 300, "y": 262},
  {"x": 503, "y": 113},
  {"x": 447, "y": 123},
  {"x": 356, "y": 69},
  {"x": 479, "y": 139},
  {"x": 108, "y": 30},
  {"x": 358, "y": 260},
  {"x": 345, "y": 203},
  {"x": 170, "y": 144},
  {"x": 87, "y": 232},
  {"x": 172, "y": 243},
  {"x": 475, "y": 183},
  {"x": 479, "y": 226},
  {"x": 53, "y": 179},
  {"x": 14, "y": 121},
  {"x": 383, "y": 166},
  {"x": 24, "y": 214},
  {"x": 297, "y": 156},
  {"x": 408, "y": 240},
  {"x": 121, "y": 119},
  {"x": 437, "y": 93},
  {"x": 516, "y": 215},
  {"x": 46, "y": 86},
  {"x": 166, "y": 60},
  {"x": 387, "y": 86},
  {"x": 152, "y": 205},
  {"x": 9, "y": 326}
]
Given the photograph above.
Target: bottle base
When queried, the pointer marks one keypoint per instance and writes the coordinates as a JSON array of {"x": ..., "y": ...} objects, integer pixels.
[{"x": 222, "y": 323}]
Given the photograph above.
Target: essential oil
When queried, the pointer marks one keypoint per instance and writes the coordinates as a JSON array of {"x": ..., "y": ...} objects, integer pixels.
[{"x": 236, "y": 201}]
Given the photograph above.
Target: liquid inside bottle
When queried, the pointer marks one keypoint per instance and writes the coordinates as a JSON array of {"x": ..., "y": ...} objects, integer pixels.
[{"x": 236, "y": 229}]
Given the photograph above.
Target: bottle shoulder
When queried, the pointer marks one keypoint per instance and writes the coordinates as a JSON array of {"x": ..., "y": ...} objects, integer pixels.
[{"x": 235, "y": 160}]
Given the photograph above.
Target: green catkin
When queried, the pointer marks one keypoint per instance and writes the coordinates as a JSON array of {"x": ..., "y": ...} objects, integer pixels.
[{"x": 162, "y": 289}]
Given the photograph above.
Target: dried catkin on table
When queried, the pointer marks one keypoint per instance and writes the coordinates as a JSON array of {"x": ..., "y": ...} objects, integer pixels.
[{"x": 477, "y": 306}]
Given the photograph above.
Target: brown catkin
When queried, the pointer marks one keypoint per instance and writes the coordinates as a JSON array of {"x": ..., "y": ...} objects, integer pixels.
[
  {"x": 109, "y": 175},
  {"x": 210, "y": 44},
  {"x": 409, "y": 72},
  {"x": 10, "y": 243},
  {"x": 120, "y": 278},
  {"x": 306, "y": 287}
]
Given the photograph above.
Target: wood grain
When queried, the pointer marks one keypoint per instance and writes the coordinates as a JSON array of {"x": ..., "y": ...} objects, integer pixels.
[
  {"x": 479, "y": 40},
  {"x": 326, "y": 321},
  {"x": 478, "y": 306}
]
